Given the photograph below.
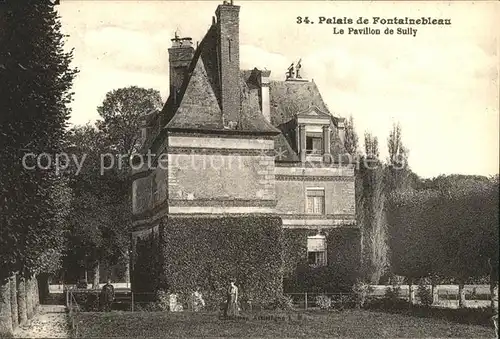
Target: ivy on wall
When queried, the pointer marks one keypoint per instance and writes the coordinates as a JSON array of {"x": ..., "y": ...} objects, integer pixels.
[
  {"x": 264, "y": 259},
  {"x": 146, "y": 265},
  {"x": 343, "y": 252},
  {"x": 207, "y": 252}
]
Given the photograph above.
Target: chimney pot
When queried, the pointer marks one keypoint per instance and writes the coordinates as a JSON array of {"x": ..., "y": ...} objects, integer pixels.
[{"x": 180, "y": 55}]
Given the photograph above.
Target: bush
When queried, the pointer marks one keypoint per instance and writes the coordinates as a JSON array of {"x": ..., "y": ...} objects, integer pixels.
[
  {"x": 163, "y": 301},
  {"x": 424, "y": 294},
  {"x": 282, "y": 303},
  {"x": 361, "y": 290},
  {"x": 323, "y": 302},
  {"x": 88, "y": 301},
  {"x": 392, "y": 294}
]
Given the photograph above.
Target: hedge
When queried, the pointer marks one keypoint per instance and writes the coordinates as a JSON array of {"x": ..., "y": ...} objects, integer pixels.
[{"x": 207, "y": 252}]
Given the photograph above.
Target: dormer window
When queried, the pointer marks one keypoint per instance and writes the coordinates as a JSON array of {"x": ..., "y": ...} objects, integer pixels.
[
  {"x": 313, "y": 134},
  {"x": 314, "y": 143}
]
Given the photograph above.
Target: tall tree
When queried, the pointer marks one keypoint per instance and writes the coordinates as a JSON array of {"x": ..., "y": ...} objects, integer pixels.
[
  {"x": 449, "y": 229},
  {"x": 398, "y": 174},
  {"x": 102, "y": 197},
  {"x": 121, "y": 113},
  {"x": 351, "y": 137},
  {"x": 35, "y": 82},
  {"x": 371, "y": 146},
  {"x": 371, "y": 212}
]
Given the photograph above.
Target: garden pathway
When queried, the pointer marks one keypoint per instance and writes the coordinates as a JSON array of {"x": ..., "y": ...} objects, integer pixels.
[{"x": 50, "y": 322}]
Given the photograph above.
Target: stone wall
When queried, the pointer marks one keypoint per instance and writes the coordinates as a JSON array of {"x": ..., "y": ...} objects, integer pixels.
[
  {"x": 214, "y": 175},
  {"x": 291, "y": 195}
]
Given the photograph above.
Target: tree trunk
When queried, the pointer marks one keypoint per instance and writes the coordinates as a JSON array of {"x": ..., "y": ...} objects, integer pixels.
[
  {"x": 36, "y": 296},
  {"x": 6, "y": 329},
  {"x": 461, "y": 294},
  {"x": 13, "y": 301},
  {"x": 95, "y": 283},
  {"x": 21, "y": 300},
  {"x": 43, "y": 287},
  {"x": 411, "y": 292},
  {"x": 435, "y": 294},
  {"x": 29, "y": 298}
]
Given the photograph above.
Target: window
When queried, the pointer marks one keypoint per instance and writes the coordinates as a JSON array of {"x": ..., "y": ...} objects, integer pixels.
[
  {"x": 314, "y": 144},
  {"x": 316, "y": 250},
  {"x": 315, "y": 201}
]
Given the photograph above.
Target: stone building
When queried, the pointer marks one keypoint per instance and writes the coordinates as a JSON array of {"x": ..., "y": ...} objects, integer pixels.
[{"x": 233, "y": 143}]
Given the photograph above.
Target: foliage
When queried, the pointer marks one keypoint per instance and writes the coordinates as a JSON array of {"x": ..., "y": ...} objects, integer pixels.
[
  {"x": 88, "y": 300},
  {"x": 449, "y": 229},
  {"x": 102, "y": 204},
  {"x": 361, "y": 290},
  {"x": 371, "y": 217},
  {"x": 36, "y": 90},
  {"x": 146, "y": 265},
  {"x": 424, "y": 294},
  {"x": 282, "y": 302},
  {"x": 398, "y": 173},
  {"x": 163, "y": 300},
  {"x": 207, "y": 252},
  {"x": 323, "y": 302},
  {"x": 121, "y": 113},
  {"x": 392, "y": 293},
  {"x": 343, "y": 261},
  {"x": 351, "y": 138}
]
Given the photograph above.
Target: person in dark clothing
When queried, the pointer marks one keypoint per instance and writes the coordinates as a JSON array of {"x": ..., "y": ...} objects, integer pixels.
[{"x": 107, "y": 296}]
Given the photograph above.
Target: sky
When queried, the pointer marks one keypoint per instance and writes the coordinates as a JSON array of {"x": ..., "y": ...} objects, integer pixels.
[{"x": 441, "y": 85}]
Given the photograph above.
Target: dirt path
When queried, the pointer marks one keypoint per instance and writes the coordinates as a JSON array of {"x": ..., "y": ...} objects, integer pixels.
[{"x": 50, "y": 322}]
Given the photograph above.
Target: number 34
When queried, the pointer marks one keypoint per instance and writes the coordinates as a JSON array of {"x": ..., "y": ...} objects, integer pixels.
[{"x": 304, "y": 20}]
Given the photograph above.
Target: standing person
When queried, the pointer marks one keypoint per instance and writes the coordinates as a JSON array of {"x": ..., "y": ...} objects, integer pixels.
[
  {"x": 107, "y": 295},
  {"x": 232, "y": 300}
]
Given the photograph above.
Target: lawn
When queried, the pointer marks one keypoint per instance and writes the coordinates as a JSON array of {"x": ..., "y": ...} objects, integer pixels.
[{"x": 349, "y": 323}]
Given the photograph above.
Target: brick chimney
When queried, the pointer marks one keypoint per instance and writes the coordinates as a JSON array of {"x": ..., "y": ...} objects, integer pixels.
[
  {"x": 180, "y": 55},
  {"x": 229, "y": 60}
]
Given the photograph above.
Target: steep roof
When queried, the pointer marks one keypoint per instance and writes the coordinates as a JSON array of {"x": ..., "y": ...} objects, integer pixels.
[
  {"x": 199, "y": 107},
  {"x": 287, "y": 99},
  {"x": 290, "y": 97},
  {"x": 251, "y": 118}
]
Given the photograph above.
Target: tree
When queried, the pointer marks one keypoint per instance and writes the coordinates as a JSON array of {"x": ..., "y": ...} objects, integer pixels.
[
  {"x": 371, "y": 212},
  {"x": 398, "y": 173},
  {"x": 351, "y": 137},
  {"x": 35, "y": 82},
  {"x": 102, "y": 213},
  {"x": 121, "y": 113},
  {"x": 449, "y": 228}
]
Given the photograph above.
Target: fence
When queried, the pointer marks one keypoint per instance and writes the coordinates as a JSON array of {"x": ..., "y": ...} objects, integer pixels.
[
  {"x": 126, "y": 300},
  {"x": 73, "y": 310},
  {"x": 308, "y": 300}
]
